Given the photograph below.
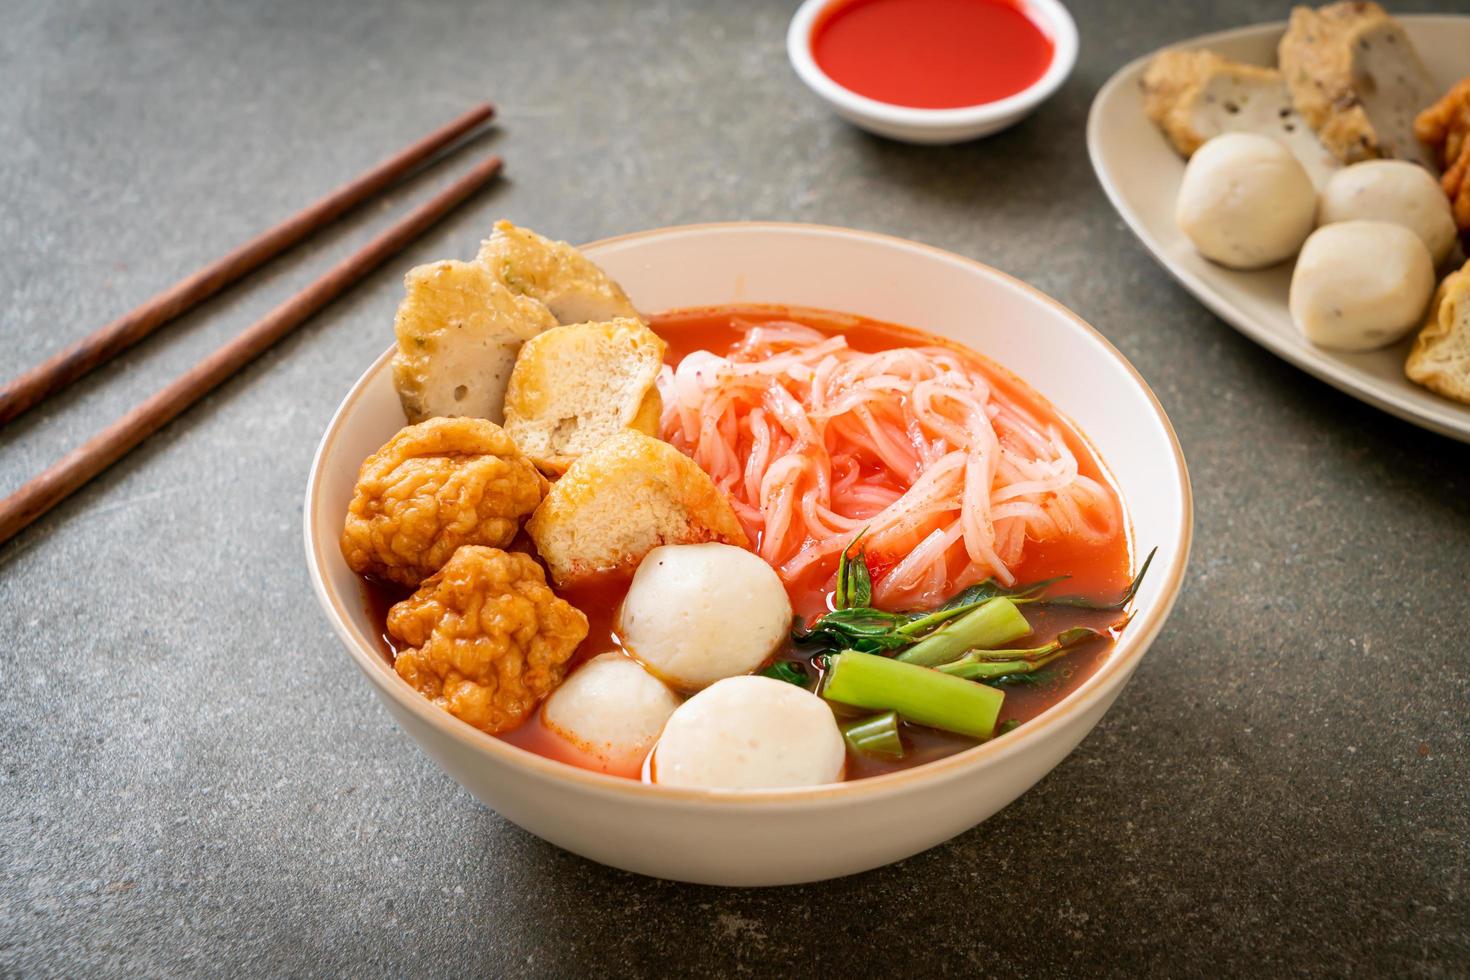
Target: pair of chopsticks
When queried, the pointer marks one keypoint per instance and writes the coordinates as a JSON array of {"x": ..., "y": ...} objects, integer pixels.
[{"x": 108, "y": 446}]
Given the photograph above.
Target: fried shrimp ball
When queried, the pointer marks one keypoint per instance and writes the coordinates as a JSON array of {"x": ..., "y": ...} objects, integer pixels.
[
  {"x": 487, "y": 638},
  {"x": 433, "y": 487}
]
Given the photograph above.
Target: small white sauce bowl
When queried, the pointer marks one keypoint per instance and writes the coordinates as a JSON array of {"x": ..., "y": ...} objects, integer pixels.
[
  {"x": 745, "y": 837},
  {"x": 911, "y": 125}
]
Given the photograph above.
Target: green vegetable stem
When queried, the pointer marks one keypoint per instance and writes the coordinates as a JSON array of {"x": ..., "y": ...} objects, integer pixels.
[
  {"x": 991, "y": 625},
  {"x": 875, "y": 735},
  {"x": 855, "y": 625},
  {"x": 980, "y": 665},
  {"x": 918, "y": 694}
]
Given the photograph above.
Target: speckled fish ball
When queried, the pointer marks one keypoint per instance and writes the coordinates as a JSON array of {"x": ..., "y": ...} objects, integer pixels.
[
  {"x": 1397, "y": 191},
  {"x": 1359, "y": 285},
  {"x": 1245, "y": 201},
  {"x": 750, "y": 733},
  {"x": 698, "y": 612},
  {"x": 611, "y": 709}
]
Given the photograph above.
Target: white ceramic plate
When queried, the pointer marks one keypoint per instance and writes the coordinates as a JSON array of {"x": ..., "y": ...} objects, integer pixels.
[
  {"x": 1140, "y": 172},
  {"x": 755, "y": 838}
]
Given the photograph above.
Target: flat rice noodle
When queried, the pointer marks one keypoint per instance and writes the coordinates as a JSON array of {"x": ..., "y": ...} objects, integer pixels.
[{"x": 815, "y": 442}]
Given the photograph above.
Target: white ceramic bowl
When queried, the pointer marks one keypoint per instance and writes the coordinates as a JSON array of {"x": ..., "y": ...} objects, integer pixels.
[
  {"x": 936, "y": 125},
  {"x": 751, "y": 838}
]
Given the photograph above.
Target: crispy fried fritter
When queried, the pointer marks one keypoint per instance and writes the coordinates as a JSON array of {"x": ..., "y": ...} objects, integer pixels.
[
  {"x": 488, "y": 638},
  {"x": 435, "y": 486},
  {"x": 1445, "y": 128}
]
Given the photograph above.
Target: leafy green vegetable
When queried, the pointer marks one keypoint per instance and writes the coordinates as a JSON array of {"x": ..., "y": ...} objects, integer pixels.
[
  {"x": 1035, "y": 677},
  {"x": 860, "y": 586},
  {"x": 854, "y": 581},
  {"x": 991, "y": 589},
  {"x": 1033, "y": 593},
  {"x": 880, "y": 660},
  {"x": 992, "y": 665},
  {"x": 875, "y": 735},
  {"x": 1082, "y": 602},
  {"x": 855, "y": 625},
  {"x": 1007, "y": 726},
  {"x": 866, "y": 629},
  {"x": 996, "y": 621},
  {"x": 785, "y": 670},
  {"x": 842, "y": 594}
]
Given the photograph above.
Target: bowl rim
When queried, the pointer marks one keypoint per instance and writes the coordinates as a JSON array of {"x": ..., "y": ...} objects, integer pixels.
[
  {"x": 1110, "y": 675},
  {"x": 1053, "y": 16}
]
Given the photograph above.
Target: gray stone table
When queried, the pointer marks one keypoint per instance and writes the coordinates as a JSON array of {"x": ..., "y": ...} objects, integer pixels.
[{"x": 193, "y": 778}]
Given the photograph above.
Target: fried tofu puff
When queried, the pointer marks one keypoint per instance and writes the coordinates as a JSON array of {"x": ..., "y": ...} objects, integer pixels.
[
  {"x": 570, "y": 284},
  {"x": 575, "y": 387},
  {"x": 1440, "y": 358},
  {"x": 618, "y": 502},
  {"x": 485, "y": 637},
  {"x": 433, "y": 487}
]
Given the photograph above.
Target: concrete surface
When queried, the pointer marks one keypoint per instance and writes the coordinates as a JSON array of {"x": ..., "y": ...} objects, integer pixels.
[{"x": 193, "y": 780}]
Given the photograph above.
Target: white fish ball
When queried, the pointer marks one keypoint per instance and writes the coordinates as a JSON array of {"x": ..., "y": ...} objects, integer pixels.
[
  {"x": 750, "y": 733},
  {"x": 1246, "y": 201},
  {"x": 696, "y": 613},
  {"x": 1396, "y": 191},
  {"x": 611, "y": 709},
  {"x": 1360, "y": 285}
]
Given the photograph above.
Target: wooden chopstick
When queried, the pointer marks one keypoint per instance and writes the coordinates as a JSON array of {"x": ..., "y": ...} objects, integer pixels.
[
  {"x": 63, "y": 368},
  {"x": 112, "y": 443}
]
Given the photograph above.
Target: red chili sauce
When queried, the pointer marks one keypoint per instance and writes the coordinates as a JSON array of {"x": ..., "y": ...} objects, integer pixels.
[
  {"x": 1100, "y": 571},
  {"x": 931, "y": 54}
]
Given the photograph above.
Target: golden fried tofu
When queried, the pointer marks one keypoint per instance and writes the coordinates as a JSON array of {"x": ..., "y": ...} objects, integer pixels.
[
  {"x": 623, "y": 499},
  {"x": 574, "y": 387},
  {"x": 555, "y": 273},
  {"x": 486, "y": 638},
  {"x": 1194, "y": 96},
  {"x": 433, "y": 487},
  {"x": 459, "y": 330},
  {"x": 1440, "y": 358},
  {"x": 1357, "y": 80}
]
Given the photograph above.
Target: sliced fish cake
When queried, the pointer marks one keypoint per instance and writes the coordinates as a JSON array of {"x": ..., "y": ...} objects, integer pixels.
[
  {"x": 459, "y": 331},
  {"x": 1195, "y": 96},
  {"x": 1357, "y": 80},
  {"x": 570, "y": 284}
]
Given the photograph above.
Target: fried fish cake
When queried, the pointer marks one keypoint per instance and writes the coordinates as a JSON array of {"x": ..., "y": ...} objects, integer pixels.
[
  {"x": 1356, "y": 79},
  {"x": 459, "y": 330},
  {"x": 570, "y": 284},
  {"x": 486, "y": 637},
  {"x": 433, "y": 487}
]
